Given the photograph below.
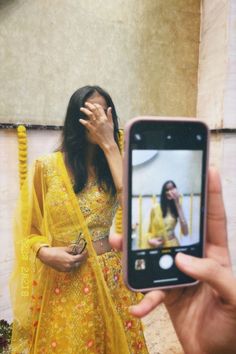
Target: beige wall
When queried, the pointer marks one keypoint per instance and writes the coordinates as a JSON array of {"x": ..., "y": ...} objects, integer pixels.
[
  {"x": 216, "y": 101},
  {"x": 145, "y": 53}
]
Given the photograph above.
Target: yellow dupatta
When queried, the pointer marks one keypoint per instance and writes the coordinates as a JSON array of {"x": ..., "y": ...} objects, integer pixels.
[
  {"x": 34, "y": 227},
  {"x": 156, "y": 227}
]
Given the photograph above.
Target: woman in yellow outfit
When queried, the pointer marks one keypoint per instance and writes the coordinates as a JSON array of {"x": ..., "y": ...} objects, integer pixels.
[
  {"x": 164, "y": 217},
  {"x": 67, "y": 289}
]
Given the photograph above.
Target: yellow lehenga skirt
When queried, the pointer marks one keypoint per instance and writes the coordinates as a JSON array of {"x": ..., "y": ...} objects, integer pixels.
[
  {"x": 83, "y": 311},
  {"x": 71, "y": 321}
]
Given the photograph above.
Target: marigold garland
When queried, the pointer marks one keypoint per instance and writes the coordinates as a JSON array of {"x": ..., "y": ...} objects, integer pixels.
[
  {"x": 119, "y": 218},
  {"x": 22, "y": 153}
]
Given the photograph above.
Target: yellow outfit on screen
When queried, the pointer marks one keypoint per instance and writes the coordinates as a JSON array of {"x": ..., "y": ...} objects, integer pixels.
[
  {"x": 83, "y": 311},
  {"x": 161, "y": 227}
]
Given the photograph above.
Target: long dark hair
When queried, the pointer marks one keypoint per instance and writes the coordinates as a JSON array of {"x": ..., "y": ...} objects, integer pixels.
[
  {"x": 166, "y": 203},
  {"x": 74, "y": 142}
]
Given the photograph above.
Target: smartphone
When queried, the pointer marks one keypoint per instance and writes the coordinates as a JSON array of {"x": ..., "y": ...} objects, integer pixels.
[{"x": 165, "y": 188}]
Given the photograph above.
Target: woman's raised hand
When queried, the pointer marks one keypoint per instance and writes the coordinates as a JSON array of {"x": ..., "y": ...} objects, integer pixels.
[
  {"x": 99, "y": 125},
  {"x": 60, "y": 258},
  {"x": 174, "y": 194}
]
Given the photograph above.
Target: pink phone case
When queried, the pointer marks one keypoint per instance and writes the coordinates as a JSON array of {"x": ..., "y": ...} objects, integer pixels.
[{"x": 125, "y": 189}]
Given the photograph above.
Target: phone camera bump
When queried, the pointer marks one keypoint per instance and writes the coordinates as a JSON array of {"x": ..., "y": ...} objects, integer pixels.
[
  {"x": 199, "y": 137},
  {"x": 137, "y": 137}
]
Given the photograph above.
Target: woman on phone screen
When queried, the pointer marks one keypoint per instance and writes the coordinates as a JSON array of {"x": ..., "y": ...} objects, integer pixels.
[{"x": 164, "y": 218}]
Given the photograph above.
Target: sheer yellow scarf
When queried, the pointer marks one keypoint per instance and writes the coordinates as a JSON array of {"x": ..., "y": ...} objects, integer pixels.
[
  {"x": 32, "y": 229},
  {"x": 156, "y": 227}
]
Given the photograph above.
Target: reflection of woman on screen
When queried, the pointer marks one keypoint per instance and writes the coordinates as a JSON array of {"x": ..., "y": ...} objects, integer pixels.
[{"x": 164, "y": 217}]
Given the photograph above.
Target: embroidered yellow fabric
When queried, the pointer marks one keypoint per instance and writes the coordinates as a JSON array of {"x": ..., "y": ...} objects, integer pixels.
[
  {"x": 83, "y": 311},
  {"x": 160, "y": 227},
  {"x": 98, "y": 208}
]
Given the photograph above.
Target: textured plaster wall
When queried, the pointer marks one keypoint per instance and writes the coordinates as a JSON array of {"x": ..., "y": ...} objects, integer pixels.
[
  {"x": 145, "y": 53},
  {"x": 169, "y": 42},
  {"x": 230, "y": 87},
  {"x": 216, "y": 102}
]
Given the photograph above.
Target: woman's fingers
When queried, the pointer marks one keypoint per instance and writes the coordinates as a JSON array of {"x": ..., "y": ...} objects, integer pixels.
[
  {"x": 210, "y": 271},
  {"x": 116, "y": 241},
  {"x": 80, "y": 257},
  {"x": 148, "y": 303},
  {"x": 109, "y": 115},
  {"x": 96, "y": 110},
  {"x": 87, "y": 124},
  {"x": 88, "y": 113},
  {"x": 84, "y": 122},
  {"x": 174, "y": 194},
  {"x": 92, "y": 107}
]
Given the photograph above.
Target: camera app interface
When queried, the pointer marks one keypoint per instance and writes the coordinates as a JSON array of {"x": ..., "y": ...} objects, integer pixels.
[{"x": 166, "y": 198}]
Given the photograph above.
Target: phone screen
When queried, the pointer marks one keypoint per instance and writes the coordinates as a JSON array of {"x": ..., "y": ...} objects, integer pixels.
[{"x": 166, "y": 199}]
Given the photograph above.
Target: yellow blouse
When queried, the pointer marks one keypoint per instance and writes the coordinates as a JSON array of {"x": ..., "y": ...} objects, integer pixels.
[{"x": 98, "y": 208}]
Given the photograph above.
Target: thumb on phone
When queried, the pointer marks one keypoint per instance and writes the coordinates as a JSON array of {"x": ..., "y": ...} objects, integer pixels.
[{"x": 211, "y": 272}]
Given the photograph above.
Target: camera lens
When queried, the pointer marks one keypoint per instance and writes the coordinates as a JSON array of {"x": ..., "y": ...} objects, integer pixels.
[
  {"x": 199, "y": 137},
  {"x": 137, "y": 137}
]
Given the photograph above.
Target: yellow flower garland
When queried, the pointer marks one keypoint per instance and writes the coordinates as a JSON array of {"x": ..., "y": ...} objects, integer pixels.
[
  {"x": 118, "y": 218},
  {"x": 22, "y": 153}
]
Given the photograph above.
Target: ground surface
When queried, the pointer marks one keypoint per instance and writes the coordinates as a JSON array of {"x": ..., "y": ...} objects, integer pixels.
[{"x": 160, "y": 334}]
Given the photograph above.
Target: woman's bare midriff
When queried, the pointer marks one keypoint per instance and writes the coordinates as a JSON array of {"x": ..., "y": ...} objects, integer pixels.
[
  {"x": 102, "y": 246},
  {"x": 171, "y": 236}
]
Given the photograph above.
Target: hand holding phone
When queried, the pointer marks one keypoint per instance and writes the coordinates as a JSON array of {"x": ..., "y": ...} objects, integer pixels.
[
  {"x": 203, "y": 315},
  {"x": 165, "y": 166}
]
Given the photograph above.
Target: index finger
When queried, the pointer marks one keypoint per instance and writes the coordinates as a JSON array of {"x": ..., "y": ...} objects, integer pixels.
[
  {"x": 80, "y": 257},
  {"x": 150, "y": 301},
  {"x": 216, "y": 218}
]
